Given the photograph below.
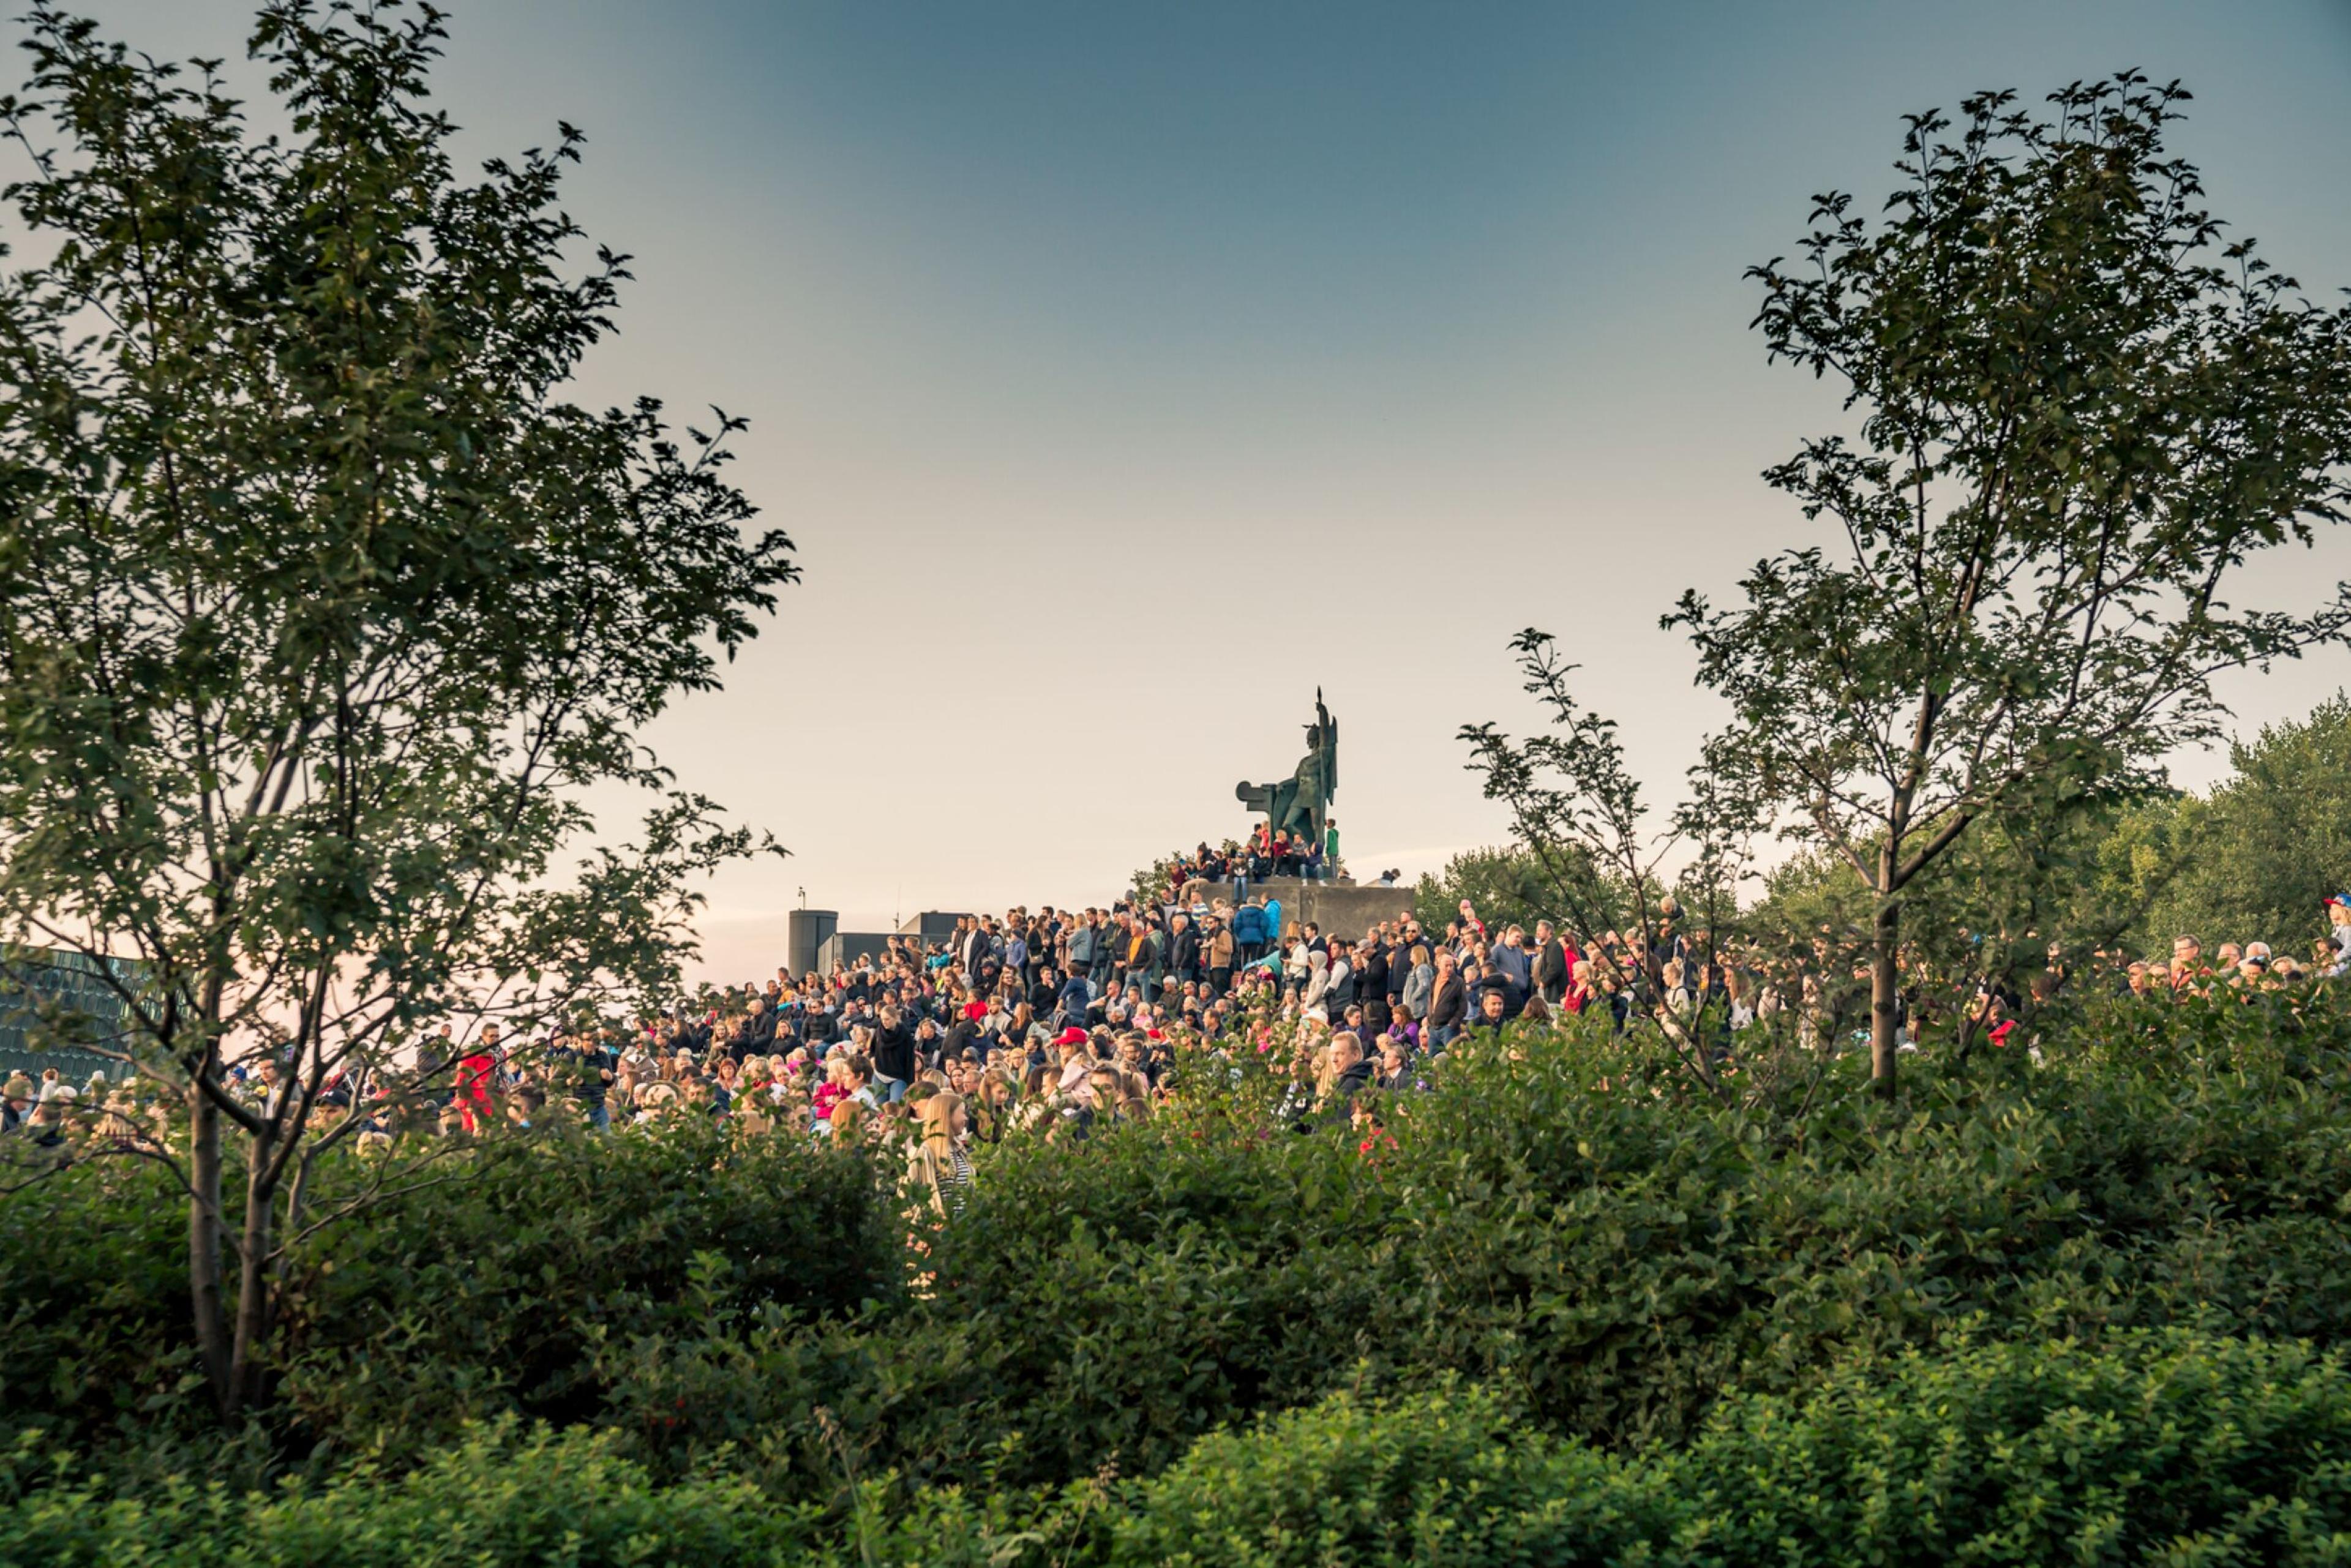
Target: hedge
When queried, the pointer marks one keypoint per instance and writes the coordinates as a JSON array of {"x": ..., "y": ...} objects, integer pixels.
[
  {"x": 2162, "y": 1446},
  {"x": 1578, "y": 1230}
]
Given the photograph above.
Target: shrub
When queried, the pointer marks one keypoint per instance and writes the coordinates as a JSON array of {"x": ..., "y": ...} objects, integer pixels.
[
  {"x": 1577, "y": 1229},
  {"x": 497, "y": 1496},
  {"x": 1614, "y": 1257},
  {"x": 2164, "y": 1446},
  {"x": 94, "y": 1304},
  {"x": 498, "y": 1291}
]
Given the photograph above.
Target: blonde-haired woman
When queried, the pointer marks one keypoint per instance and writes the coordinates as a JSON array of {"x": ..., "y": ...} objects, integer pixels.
[
  {"x": 940, "y": 1166},
  {"x": 999, "y": 1099}
]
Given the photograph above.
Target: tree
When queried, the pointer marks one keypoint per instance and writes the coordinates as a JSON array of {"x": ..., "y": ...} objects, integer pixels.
[
  {"x": 1577, "y": 807},
  {"x": 2079, "y": 414},
  {"x": 1506, "y": 886},
  {"x": 2256, "y": 857},
  {"x": 2017, "y": 896},
  {"x": 321, "y": 606}
]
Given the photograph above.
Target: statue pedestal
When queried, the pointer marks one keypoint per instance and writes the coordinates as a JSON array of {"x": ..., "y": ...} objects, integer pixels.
[{"x": 1340, "y": 908}]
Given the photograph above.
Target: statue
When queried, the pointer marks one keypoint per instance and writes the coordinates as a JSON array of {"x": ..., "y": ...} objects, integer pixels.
[{"x": 1300, "y": 804}]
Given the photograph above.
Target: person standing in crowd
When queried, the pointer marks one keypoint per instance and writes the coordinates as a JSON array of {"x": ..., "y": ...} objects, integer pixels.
[
  {"x": 1016, "y": 948},
  {"x": 590, "y": 1065},
  {"x": 1219, "y": 958},
  {"x": 1516, "y": 967},
  {"x": 1183, "y": 949},
  {"x": 1250, "y": 931},
  {"x": 940, "y": 1167},
  {"x": 1449, "y": 1001},
  {"x": 893, "y": 1055},
  {"x": 1342, "y": 979},
  {"x": 1487, "y": 1014},
  {"x": 1552, "y": 964},
  {"x": 477, "y": 1073},
  {"x": 1419, "y": 983},
  {"x": 1372, "y": 983}
]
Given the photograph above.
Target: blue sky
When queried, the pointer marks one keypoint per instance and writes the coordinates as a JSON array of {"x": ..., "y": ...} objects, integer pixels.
[{"x": 1126, "y": 372}]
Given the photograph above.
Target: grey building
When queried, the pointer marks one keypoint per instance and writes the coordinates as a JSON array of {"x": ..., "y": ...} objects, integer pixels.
[{"x": 49, "y": 999}]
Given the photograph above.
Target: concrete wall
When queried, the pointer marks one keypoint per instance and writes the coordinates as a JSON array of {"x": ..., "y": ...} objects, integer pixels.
[
  {"x": 931, "y": 925},
  {"x": 1341, "y": 909},
  {"x": 848, "y": 946}
]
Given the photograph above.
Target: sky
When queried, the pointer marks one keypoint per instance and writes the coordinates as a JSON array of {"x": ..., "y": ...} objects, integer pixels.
[{"x": 1125, "y": 372}]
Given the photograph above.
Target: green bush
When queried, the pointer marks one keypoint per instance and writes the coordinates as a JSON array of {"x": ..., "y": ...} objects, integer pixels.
[
  {"x": 505, "y": 1291},
  {"x": 2159, "y": 1446},
  {"x": 94, "y": 1323},
  {"x": 502, "y": 1290},
  {"x": 2165, "y": 1447},
  {"x": 498, "y": 1495},
  {"x": 1579, "y": 1230},
  {"x": 1615, "y": 1259}
]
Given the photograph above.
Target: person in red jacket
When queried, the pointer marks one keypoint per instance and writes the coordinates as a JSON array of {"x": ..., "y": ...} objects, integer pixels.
[{"x": 477, "y": 1073}]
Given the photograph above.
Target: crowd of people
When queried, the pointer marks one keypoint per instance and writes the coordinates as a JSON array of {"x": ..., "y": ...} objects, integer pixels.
[
  {"x": 1058, "y": 1021},
  {"x": 1267, "y": 856}
]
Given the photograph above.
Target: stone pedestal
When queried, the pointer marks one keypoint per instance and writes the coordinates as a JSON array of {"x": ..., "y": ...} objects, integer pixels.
[{"x": 1340, "y": 908}]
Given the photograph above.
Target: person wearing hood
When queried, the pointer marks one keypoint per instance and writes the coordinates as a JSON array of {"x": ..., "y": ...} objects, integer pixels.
[
  {"x": 1250, "y": 932},
  {"x": 1315, "y": 999}
]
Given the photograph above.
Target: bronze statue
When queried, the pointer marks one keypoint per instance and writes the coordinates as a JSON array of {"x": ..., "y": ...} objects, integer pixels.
[{"x": 1300, "y": 804}]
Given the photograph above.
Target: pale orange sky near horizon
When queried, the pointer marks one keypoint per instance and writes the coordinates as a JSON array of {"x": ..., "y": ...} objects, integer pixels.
[{"x": 1124, "y": 375}]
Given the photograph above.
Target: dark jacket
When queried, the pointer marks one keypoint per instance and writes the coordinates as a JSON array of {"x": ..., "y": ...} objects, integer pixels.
[
  {"x": 893, "y": 1053},
  {"x": 758, "y": 1034},
  {"x": 1450, "y": 1003},
  {"x": 1550, "y": 970},
  {"x": 1340, "y": 1105},
  {"x": 1517, "y": 971}
]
